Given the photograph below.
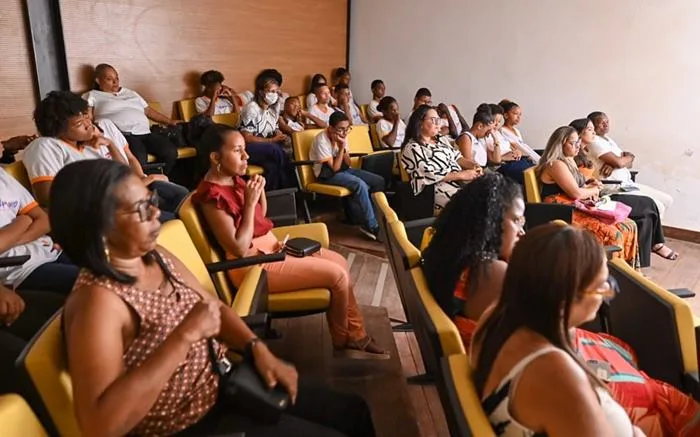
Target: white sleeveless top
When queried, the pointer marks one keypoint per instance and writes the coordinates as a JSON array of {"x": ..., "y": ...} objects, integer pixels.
[
  {"x": 479, "y": 154},
  {"x": 497, "y": 404}
]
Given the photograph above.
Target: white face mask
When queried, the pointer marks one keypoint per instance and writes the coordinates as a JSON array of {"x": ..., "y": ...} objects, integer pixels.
[{"x": 271, "y": 98}]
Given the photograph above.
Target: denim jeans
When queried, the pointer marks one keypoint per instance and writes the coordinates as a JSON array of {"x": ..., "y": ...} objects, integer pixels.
[
  {"x": 55, "y": 277},
  {"x": 277, "y": 167},
  {"x": 361, "y": 183},
  {"x": 171, "y": 195}
]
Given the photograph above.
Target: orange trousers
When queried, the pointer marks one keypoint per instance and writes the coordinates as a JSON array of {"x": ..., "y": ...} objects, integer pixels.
[{"x": 323, "y": 269}]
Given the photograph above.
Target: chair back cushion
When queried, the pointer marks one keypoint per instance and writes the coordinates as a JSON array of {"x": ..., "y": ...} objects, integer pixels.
[
  {"x": 532, "y": 186},
  {"x": 301, "y": 143},
  {"x": 17, "y": 419},
  {"x": 187, "y": 109}
]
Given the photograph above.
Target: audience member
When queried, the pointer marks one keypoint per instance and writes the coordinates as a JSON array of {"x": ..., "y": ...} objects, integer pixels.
[
  {"x": 511, "y": 119},
  {"x": 423, "y": 97},
  {"x": 513, "y": 163},
  {"x": 264, "y": 140},
  {"x": 331, "y": 152},
  {"x": 12, "y": 146},
  {"x": 170, "y": 195},
  {"x": 611, "y": 162},
  {"x": 644, "y": 210},
  {"x": 293, "y": 119},
  {"x": 391, "y": 130},
  {"x": 311, "y": 99},
  {"x": 378, "y": 91},
  {"x": 216, "y": 98},
  {"x": 562, "y": 183},
  {"x": 130, "y": 113},
  {"x": 430, "y": 160},
  {"x": 235, "y": 212},
  {"x": 345, "y": 105},
  {"x": 322, "y": 109},
  {"x": 527, "y": 372},
  {"x": 472, "y": 142},
  {"x": 139, "y": 328}
]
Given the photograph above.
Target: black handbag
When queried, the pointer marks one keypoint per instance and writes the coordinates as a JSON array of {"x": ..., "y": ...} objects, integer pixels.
[
  {"x": 301, "y": 247},
  {"x": 176, "y": 133},
  {"x": 244, "y": 389}
]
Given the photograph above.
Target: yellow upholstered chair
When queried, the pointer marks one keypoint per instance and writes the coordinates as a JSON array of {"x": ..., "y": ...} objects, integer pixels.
[
  {"x": 17, "y": 419},
  {"x": 533, "y": 188},
  {"x": 658, "y": 325},
  {"x": 44, "y": 363},
  {"x": 301, "y": 142},
  {"x": 18, "y": 171},
  {"x": 374, "y": 137},
  {"x": 460, "y": 401},
  {"x": 361, "y": 147},
  {"x": 187, "y": 109},
  {"x": 363, "y": 111},
  {"x": 286, "y": 304},
  {"x": 302, "y": 100},
  {"x": 231, "y": 119},
  {"x": 249, "y": 299}
]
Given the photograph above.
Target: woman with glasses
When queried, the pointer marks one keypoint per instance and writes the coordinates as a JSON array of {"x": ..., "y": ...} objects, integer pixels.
[
  {"x": 562, "y": 183},
  {"x": 139, "y": 328},
  {"x": 331, "y": 152},
  {"x": 430, "y": 160},
  {"x": 535, "y": 377}
]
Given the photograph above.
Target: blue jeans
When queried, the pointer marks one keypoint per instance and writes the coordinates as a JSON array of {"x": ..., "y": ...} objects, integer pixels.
[
  {"x": 55, "y": 277},
  {"x": 515, "y": 169},
  {"x": 361, "y": 183},
  {"x": 272, "y": 158},
  {"x": 171, "y": 195}
]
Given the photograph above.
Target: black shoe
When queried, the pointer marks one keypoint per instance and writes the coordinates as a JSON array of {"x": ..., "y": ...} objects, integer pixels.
[{"x": 370, "y": 233}]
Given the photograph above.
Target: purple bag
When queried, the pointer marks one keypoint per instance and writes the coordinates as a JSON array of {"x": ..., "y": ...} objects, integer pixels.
[{"x": 613, "y": 217}]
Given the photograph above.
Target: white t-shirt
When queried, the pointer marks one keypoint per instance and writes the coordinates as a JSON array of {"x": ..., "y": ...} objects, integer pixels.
[
  {"x": 259, "y": 122},
  {"x": 45, "y": 156},
  {"x": 16, "y": 200},
  {"x": 372, "y": 110},
  {"x": 318, "y": 113},
  {"x": 384, "y": 127},
  {"x": 222, "y": 105},
  {"x": 294, "y": 125},
  {"x": 125, "y": 108},
  {"x": 110, "y": 131},
  {"x": 354, "y": 115},
  {"x": 601, "y": 146},
  {"x": 322, "y": 148}
]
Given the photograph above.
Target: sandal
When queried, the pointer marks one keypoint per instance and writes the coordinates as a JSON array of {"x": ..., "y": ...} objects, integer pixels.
[
  {"x": 363, "y": 349},
  {"x": 671, "y": 255}
]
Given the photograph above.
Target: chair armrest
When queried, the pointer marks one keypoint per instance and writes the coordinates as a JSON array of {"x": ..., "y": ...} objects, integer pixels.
[
  {"x": 306, "y": 162},
  {"x": 245, "y": 262},
  {"x": 420, "y": 223},
  {"x": 314, "y": 231},
  {"x": 610, "y": 182},
  {"x": 358, "y": 154},
  {"x": 610, "y": 250},
  {"x": 13, "y": 261},
  {"x": 281, "y": 192},
  {"x": 683, "y": 293},
  {"x": 256, "y": 321},
  {"x": 153, "y": 167},
  {"x": 634, "y": 174}
]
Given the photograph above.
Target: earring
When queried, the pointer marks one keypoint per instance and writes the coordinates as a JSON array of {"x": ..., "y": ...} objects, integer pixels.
[
  {"x": 104, "y": 243},
  {"x": 218, "y": 168}
]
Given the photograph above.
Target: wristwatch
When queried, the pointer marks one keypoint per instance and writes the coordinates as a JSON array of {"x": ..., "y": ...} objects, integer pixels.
[{"x": 248, "y": 349}]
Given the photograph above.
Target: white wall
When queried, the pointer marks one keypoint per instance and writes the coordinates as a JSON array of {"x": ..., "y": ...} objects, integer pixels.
[{"x": 636, "y": 60}]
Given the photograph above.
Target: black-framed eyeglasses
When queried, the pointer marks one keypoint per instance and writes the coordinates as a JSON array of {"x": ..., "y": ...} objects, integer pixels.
[{"x": 146, "y": 208}]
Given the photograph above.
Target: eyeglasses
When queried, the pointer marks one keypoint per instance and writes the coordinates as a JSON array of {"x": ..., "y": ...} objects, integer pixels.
[
  {"x": 146, "y": 208},
  {"x": 608, "y": 290},
  {"x": 343, "y": 130}
]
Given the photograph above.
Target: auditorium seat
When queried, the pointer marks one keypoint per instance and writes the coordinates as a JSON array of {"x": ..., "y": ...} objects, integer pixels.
[{"x": 17, "y": 419}]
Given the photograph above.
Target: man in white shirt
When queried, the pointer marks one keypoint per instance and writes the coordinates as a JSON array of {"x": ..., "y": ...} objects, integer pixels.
[
  {"x": 331, "y": 153},
  {"x": 378, "y": 92},
  {"x": 611, "y": 162},
  {"x": 423, "y": 97},
  {"x": 345, "y": 105}
]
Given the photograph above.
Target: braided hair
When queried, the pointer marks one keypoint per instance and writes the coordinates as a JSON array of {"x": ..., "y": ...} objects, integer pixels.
[{"x": 468, "y": 235}]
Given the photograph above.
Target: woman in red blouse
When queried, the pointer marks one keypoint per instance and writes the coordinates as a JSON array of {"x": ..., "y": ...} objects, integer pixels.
[{"x": 235, "y": 211}]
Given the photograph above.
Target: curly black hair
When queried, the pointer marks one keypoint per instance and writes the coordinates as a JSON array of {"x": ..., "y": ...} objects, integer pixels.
[
  {"x": 467, "y": 236},
  {"x": 211, "y": 77},
  {"x": 51, "y": 114},
  {"x": 385, "y": 102}
]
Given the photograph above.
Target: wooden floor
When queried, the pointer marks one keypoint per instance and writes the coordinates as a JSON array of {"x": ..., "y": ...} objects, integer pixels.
[{"x": 682, "y": 273}]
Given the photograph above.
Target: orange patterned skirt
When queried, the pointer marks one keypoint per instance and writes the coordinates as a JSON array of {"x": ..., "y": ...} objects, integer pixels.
[{"x": 623, "y": 234}]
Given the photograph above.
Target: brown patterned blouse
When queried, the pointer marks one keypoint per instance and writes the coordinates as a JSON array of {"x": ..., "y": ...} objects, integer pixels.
[{"x": 192, "y": 390}]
